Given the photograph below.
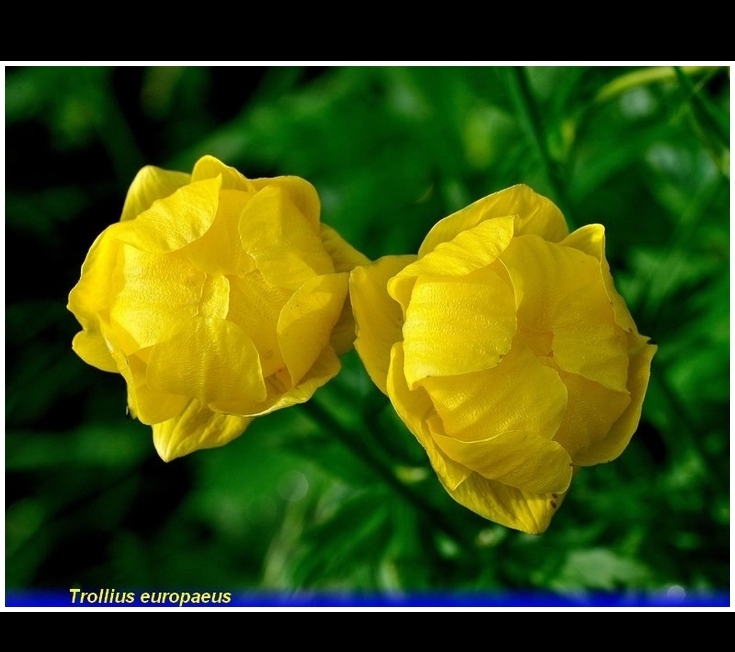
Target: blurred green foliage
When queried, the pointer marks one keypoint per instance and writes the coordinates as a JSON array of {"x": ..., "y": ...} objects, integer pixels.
[{"x": 314, "y": 497}]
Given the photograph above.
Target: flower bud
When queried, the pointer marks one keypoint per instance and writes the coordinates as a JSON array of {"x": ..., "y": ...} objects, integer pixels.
[
  {"x": 508, "y": 353},
  {"x": 218, "y": 298}
]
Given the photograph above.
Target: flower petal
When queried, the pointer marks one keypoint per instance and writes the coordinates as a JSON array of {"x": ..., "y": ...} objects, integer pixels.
[
  {"x": 587, "y": 341},
  {"x": 209, "y": 167},
  {"x": 280, "y": 395},
  {"x": 286, "y": 248},
  {"x": 152, "y": 293},
  {"x": 543, "y": 274},
  {"x": 470, "y": 250},
  {"x": 502, "y": 432},
  {"x": 536, "y": 214},
  {"x": 150, "y": 184},
  {"x": 209, "y": 359},
  {"x": 89, "y": 301},
  {"x": 175, "y": 221},
  {"x": 255, "y": 306},
  {"x": 306, "y": 321},
  {"x": 219, "y": 250},
  {"x": 342, "y": 338},
  {"x": 345, "y": 258},
  {"x": 521, "y": 510},
  {"x": 417, "y": 412},
  {"x": 519, "y": 394},
  {"x": 92, "y": 347},
  {"x": 467, "y": 252},
  {"x": 592, "y": 409},
  {"x": 90, "y": 297},
  {"x": 378, "y": 318},
  {"x": 299, "y": 192},
  {"x": 196, "y": 427},
  {"x": 641, "y": 354},
  {"x": 524, "y": 460},
  {"x": 457, "y": 325},
  {"x": 325, "y": 368},
  {"x": 147, "y": 404},
  {"x": 591, "y": 240}
]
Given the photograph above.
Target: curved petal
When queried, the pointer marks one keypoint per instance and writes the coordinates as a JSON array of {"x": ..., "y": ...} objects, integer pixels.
[
  {"x": 468, "y": 252},
  {"x": 591, "y": 240},
  {"x": 587, "y": 341},
  {"x": 196, "y": 427},
  {"x": 639, "y": 373},
  {"x": 325, "y": 368},
  {"x": 457, "y": 325},
  {"x": 149, "y": 185},
  {"x": 301, "y": 194},
  {"x": 286, "y": 248},
  {"x": 345, "y": 258},
  {"x": 152, "y": 293},
  {"x": 536, "y": 214},
  {"x": 521, "y": 510},
  {"x": 592, "y": 409},
  {"x": 92, "y": 347},
  {"x": 416, "y": 410},
  {"x": 214, "y": 300},
  {"x": 91, "y": 296},
  {"x": 209, "y": 359},
  {"x": 280, "y": 394},
  {"x": 519, "y": 394},
  {"x": 255, "y": 306},
  {"x": 147, "y": 404},
  {"x": 342, "y": 338},
  {"x": 89, "y": 301},
  {"x": 219, "y": 250},
  {"x": 524, "y": 460},
  {"x": 306, "y": 322},
  {"x": 209, "y": 167},
  {"x": 543, "y": 274},
  {"x": 378, "y": 319},
  {"x": 175, "y": 221}
]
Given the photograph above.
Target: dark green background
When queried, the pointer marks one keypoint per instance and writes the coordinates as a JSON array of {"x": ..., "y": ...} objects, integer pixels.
[{"x": 301, "y": 502}]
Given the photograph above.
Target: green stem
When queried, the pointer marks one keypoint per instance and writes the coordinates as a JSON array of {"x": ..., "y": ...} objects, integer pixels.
[
  {"x": 531, "y": 117},
  {"x": 358, "y": 447},
  {"x": 645, "y": 77},
  {"x": 707, "y": 114}
]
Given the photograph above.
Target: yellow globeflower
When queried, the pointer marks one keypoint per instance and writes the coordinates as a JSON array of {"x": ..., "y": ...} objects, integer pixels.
[
  {"x": 218, "y": 298},
  {"x": 507, "y": 351}
]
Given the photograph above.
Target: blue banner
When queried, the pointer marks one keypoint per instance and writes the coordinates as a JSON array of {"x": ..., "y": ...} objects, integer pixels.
[{"x": 121, "y": 598}]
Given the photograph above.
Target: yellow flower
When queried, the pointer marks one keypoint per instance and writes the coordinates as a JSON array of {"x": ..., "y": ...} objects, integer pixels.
[
  {"x": 506, "y": 350},
  {"x": 218, "y": 298}
]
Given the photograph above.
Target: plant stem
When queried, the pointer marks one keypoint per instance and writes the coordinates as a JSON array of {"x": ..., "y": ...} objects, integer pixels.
[
  {"x": 705, "y": 112},
  {"x": 358, "y": 447},
  {"x": 645, "y": 77},
  {"x": 531, "y": 117}
]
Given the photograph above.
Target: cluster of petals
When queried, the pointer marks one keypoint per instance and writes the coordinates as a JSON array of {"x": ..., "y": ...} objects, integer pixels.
[
  {"x": 503, "y": 344},
  {"x": 506, "y": 350},
  {"x": 218, "y": 298}
]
